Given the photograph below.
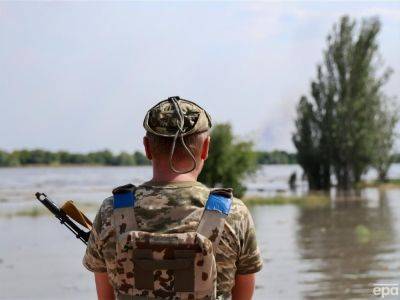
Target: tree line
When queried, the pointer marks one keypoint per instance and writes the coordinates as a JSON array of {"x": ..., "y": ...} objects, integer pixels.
[
  {"x": 107, "y": 158},
  {"x": 43, "y": 157},
  {"x": 276, "y": 157}
]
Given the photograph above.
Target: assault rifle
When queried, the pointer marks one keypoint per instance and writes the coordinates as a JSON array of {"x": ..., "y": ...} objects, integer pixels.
[{"x": 67, "y": 214}]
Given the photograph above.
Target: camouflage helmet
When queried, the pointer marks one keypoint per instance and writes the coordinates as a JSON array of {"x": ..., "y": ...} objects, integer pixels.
[
  {"x": 176, "y": 114},
  {"x": 176, "y": 118}
]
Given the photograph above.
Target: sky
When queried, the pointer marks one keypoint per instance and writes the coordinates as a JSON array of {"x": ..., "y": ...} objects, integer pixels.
[{"x": 80, "y": 76}]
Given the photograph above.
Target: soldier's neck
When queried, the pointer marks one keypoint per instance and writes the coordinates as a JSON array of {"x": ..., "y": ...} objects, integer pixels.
[
  {"x": 164, "y": 174},
  {"x": 173, "y": 178}
]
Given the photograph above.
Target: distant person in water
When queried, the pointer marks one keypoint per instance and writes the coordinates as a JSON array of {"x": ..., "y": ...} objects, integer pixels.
[
  {"x": 292, "y": 181},
  {"x": 172, "y": 237}
]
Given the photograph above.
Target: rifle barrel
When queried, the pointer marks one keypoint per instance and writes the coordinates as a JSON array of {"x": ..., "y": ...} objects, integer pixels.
[{"x": 64, "y": 219}]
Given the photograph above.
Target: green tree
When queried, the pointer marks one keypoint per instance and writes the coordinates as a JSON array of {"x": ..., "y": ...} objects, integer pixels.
[
  {"x": 396, "y": 158},
  {"x": 13, "y": 159},
  {"x": 141, "y": 159},
  {"x": 338, "y": 128},
  {"x": 125, "y": 159},
  {"x": 308, "y": 146},
  {"x": 229, "y": 161},
  {"x": 4, "y": 158},
  {"x": 386, "y": 119},
  {"x": 275, "y": 157}
]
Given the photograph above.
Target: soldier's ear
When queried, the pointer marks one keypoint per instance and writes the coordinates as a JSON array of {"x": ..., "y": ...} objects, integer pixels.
[
  {"x": 205, "y": 147},
  {"x": 147, "y": 148}
]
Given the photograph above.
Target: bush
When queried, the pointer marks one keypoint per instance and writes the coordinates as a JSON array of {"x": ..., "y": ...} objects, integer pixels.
[{"x": 229, "y": 161}]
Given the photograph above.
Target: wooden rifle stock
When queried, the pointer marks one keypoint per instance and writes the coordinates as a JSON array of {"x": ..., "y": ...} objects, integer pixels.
[{"x": 63, "y": 217}]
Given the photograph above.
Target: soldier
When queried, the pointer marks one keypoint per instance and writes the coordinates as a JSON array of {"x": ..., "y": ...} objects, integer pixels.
[{"x": 172, "y": 237}]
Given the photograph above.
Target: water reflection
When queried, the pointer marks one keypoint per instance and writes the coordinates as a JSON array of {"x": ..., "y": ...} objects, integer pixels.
[{"x": 347, "y": 247}]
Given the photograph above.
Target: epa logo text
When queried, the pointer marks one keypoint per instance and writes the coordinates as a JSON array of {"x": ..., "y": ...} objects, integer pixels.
[{"x": 383, "y": 290}]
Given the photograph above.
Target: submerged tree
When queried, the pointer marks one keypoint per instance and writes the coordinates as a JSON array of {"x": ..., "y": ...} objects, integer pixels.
[
  {"x": 228, "y": 160},
  {"x": 386, "y": 120},
  {"x": 339, "y": 127}
]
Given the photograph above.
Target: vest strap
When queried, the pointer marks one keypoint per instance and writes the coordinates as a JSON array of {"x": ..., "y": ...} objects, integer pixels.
[
  {"x": 216, "y": 210},
  {"x": 128, "y": 297},
  {"x": 123, "y": 214}
]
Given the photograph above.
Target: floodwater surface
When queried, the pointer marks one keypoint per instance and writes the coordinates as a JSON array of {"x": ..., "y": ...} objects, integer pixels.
[{"x": 337, "y": 251}]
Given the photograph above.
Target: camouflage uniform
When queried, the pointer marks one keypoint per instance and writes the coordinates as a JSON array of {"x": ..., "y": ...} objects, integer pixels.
[
  {"x": 173, "y": 215},
  {"x": 171, "y": 208}
]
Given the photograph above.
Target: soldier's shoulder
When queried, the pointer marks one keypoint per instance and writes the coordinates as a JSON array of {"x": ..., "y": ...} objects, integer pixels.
[
  {"x": 103, "y": 216},
  {"x": 238, "y": 208},
  {"x": 107, "y": 204},
  {"x": 106, "y": 208}
]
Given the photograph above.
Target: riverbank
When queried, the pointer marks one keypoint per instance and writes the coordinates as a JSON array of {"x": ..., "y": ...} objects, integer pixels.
[
  {"x": 311, "y": 200},
  {"x": 388, "y": 184},
  {"x": 39, "y": 210},
  {"x": 314, "y": 199}
]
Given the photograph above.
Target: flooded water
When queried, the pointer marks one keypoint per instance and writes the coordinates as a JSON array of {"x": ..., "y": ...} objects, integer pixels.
[
  {"x": 335, "y": 252},
  {"x": 339, "y": 251}
]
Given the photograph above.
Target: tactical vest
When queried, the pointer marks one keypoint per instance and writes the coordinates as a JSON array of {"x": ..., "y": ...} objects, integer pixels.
[{"x": 167, "y": 266}]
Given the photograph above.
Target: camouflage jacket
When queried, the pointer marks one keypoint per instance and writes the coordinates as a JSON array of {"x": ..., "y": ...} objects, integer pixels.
[{"x": 165, "y": 208}]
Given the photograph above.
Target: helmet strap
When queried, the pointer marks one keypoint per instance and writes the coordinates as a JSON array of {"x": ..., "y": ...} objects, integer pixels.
[{"x": 179, "y": 132}]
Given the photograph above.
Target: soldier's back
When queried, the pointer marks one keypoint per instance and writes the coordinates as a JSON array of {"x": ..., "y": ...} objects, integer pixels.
[{"x": 177, "y": 208}]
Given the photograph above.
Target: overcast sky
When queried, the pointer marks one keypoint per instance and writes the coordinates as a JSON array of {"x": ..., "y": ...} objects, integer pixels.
[{"x": 80, "y": 76}]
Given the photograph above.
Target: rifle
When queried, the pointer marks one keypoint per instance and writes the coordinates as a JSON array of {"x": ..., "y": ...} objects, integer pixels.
[{"x": 65, "y": 213}]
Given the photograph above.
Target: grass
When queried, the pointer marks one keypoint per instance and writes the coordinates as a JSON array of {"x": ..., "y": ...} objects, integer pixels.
[
  {"x": 39, "y": 210},
  {"x": 31, "y": 212},
  {"x": 312, "y": 200}
]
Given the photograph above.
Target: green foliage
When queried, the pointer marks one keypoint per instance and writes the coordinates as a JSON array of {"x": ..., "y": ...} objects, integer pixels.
[
  {"x": 140, "y": 159},
  {"x": 43, "y": 157},
  {"x": 4, "y": 158},
  {"x": 386, "y": 120},
  {"x": 345, "y": 128},
  {"x": 124, "y": 159},
  {"x": 229, "y": 161},
  {"x": 396, "y": 158},
  {"x": 275, "y": 157}
]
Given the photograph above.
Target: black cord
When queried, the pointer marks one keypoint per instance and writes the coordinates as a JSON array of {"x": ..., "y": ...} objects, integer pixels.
[{"x": 179, "y": 132}]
